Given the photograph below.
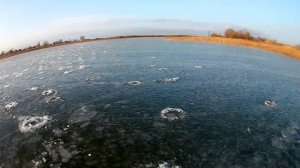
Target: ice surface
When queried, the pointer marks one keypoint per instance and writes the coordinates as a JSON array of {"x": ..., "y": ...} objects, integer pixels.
[{"x": 82, "y": 114}]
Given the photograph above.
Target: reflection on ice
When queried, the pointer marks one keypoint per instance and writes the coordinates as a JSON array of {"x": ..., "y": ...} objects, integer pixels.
[
  {"x": 32, "y": 123},
  {"x": 172, "y": 114}
]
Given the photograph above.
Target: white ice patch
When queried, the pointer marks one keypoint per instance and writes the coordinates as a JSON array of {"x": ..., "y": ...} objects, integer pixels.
[
  {"x": 152, "y": 65},
  {"x": 134, "y": 83},
  {"x": 10, "y": 105},
  {"x": 50, "y": 96},
  {"x": 4, "y": 76},
  {"x": 61, "y": 68},
  {"x": 6, "y": 86},
  {"x": 152, "y": 57},
  {"x": 172, "y": 114},
  {"x": 48, "y": 92},
  {"x": 270, "y": 103},
  {"x": 168, "y": 80},
  {"x": 198, "y": 66},
  {"x": 163, "y": 69},
  {"x": 82, "y": 66},
  {"x": 69, "y": 71},
  {"x": 34, "y": 88},
  {"x": 32, "y": 123},
  {"x": 18, "y": 74}
]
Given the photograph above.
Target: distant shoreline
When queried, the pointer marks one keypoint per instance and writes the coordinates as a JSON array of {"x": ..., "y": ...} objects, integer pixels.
[
  {"x": 35, "y": 48},
  {"x": 276, "y": 48},
  {"x": 282, "y": 49}
]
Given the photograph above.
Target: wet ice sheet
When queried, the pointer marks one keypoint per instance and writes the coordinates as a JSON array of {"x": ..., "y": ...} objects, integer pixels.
[{"x": 101, "y": 120}]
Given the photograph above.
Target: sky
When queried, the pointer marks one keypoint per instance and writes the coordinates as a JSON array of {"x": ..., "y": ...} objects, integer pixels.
[{"x": 26, "y": 22}]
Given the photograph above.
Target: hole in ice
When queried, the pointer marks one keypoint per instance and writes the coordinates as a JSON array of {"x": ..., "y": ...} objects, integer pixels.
[
  {"x": 32, "y": 123},
  {"x": 270, "y": 103},
  {"x": 172, "y": 114},
  {"x": 134, "y": 83}
]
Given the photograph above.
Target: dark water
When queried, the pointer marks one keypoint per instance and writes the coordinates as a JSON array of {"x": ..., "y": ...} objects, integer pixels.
[{"x": 97, "y": 119}]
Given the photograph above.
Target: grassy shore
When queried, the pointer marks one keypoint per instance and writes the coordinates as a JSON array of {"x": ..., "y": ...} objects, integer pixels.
[{"x": 269, "y": 46}]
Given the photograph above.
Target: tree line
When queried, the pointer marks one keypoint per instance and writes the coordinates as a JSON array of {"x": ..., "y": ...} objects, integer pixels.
[
  {"x": 242, "y": 34},
  {"x": 44, "y": 44}
]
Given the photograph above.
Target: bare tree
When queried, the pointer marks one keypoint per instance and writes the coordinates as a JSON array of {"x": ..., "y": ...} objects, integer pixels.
[
  {"x": 82, "y": 38},
  {"x": 45, "y": 43}
]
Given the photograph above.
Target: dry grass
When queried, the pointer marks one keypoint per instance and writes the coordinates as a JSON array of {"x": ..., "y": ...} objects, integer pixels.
[{"x": 269, "y": 46}]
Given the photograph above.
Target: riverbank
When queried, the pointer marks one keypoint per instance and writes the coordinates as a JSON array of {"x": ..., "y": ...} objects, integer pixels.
[{"x": 269, "y": 46}]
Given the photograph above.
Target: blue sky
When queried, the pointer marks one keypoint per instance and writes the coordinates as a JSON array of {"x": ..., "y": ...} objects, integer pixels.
[{"x": 25, "y": 22}]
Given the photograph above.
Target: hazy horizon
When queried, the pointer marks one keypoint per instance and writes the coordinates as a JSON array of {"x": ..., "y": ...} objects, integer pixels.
[{"x": 26, "y": 23}]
